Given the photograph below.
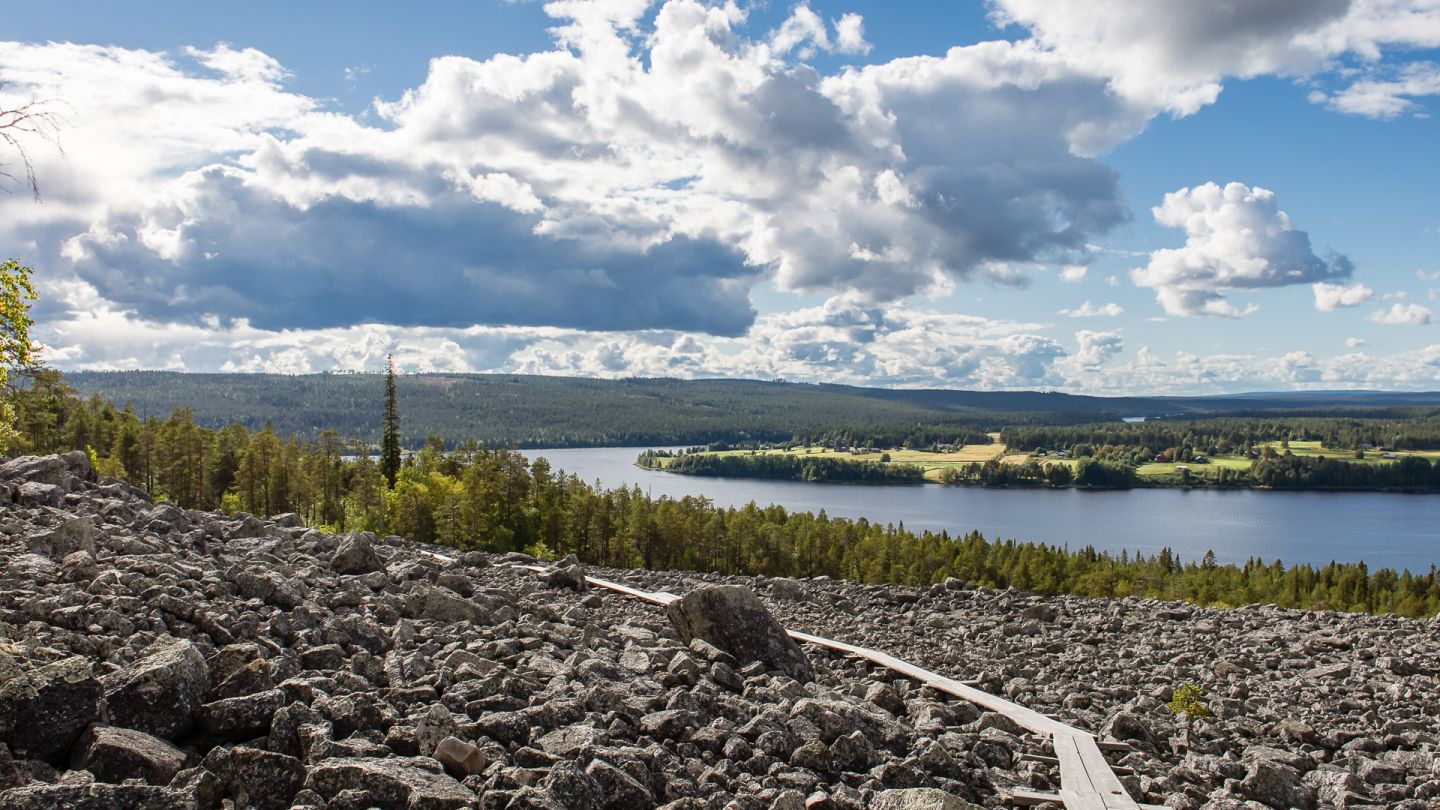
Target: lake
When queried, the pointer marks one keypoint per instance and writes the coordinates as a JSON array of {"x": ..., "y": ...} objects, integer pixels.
[{"x": 1382, "y": 529}]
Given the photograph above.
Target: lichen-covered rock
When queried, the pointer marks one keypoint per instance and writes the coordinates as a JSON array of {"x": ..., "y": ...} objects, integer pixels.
[
  {"x": 75, "y": 534},
  {"x": 1275, "y": 785},
  {"x": 98, "y": 796},
  {"x": 731, "y": 618},
  {"x": 416, "y": 783},
  {"x": 160, "y": 693},
  {"x": 116, "y": 754},
  {"x": 566, "y": 576},
  {"x": 240, "y": 718},
  {"x": 919, "y": 799},
  {"x": 356, "y": 555},
  {"x": 44, "y": 710},
  {"x": 445, "y": 607},
  {"x": 265, "y": 780}
]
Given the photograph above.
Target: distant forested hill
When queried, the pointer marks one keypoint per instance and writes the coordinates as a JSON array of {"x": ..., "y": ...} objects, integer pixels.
[{"x": 534, "y": 411}]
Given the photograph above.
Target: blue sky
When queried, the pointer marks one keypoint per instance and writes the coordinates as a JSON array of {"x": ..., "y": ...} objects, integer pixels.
[{"x": 1148, "y": 197}]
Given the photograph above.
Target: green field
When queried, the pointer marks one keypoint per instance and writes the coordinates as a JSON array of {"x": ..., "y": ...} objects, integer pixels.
[
  {"x": 934, "y": 463},
  {"x": 1305, "y": 449},
  {"x": 1317, "y": 450},
  {"x": 1216, "y": 462},
  {"x": 931, "y": 463}
]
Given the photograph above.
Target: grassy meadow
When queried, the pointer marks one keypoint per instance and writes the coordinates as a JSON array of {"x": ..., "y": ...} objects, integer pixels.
[{"x": 1160, "y": 473}]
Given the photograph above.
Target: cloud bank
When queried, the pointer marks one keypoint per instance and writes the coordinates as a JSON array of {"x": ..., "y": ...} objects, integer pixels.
[{"x": 606, "y": 206}]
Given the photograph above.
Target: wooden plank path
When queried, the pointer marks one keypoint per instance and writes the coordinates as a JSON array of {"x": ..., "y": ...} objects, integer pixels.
[{"x": 1087, "y": 780}]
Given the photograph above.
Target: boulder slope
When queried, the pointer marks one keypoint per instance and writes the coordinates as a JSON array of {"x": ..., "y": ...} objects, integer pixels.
[{"x": 157, "y": 657}]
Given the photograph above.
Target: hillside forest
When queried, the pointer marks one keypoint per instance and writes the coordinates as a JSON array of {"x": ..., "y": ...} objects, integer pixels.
[{"x": 472, "y": 496}]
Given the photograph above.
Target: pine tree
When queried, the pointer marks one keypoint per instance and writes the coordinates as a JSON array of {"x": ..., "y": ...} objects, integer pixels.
[{"x": 390, "y": 440}]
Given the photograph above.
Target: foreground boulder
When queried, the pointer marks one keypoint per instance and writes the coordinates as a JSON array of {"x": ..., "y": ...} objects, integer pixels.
[
  {"x": 76, "y": 534},
  {"x": 43, "y": 711},
  {"x": 734, "y": 620},
  {"x": 265, "y": 780},
  {"x": 356, "y": 555},
  {"x": 97, "y": 797},
  {"x": 919, "y": 799},
  {"x": 161, "y": 692},
  {"x": 117, "y": 754},
  {"x": 417, "y": 783}
]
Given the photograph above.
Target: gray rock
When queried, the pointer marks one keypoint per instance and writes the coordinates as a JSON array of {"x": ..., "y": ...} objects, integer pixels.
[
  {"x": 116, "y": 754},
  {"x": 97, "y": 796},
  {"x": 731, "y": 618},
  {"x": 1042, "y": 612},
  {"x": 443, "y": 606},
  {"x": 75, "y": 534},
  {"x": 919, "y": 799},
  {"x": 240, "y": 718},
  {"x": 160, "y": 693},
  {"x": 414, "y": 783},
  {"x": 43, "y": 711},
  {"x": 620, "y": 790},
  {"x": 356, "y": 555},
  {"x": 573, "y": 788},
  {"x": 265, "y": 780},
  {"x": 37, "y": 494},
  {"x": 1328, "y": 671},
  {"x": 79, "y": 566},
  {"x": 434, "y": 725},
  {"x": 1275, "y": 785},
  {"x": 569, "y": 576},
  {"x": 1374, "y": 772},
  {"x": 59, "y": 471}
]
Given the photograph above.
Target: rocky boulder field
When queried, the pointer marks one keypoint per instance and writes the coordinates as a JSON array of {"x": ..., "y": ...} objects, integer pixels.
[{"x": 153, "y": 657}]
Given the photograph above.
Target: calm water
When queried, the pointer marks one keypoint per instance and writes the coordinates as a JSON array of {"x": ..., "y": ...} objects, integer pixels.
[{"x": 1382, "y": 529}]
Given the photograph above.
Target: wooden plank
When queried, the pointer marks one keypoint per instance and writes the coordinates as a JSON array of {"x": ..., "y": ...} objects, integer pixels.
[
  {"x": 1041, "y": 758},
  {"x": 1085, "y": 769},
  {"x": 1026, "y": 718},
  {"x": 1075, "y": 785},
  {"x": 661, "y": 598},
  {"x": 1029, "y": 798}
]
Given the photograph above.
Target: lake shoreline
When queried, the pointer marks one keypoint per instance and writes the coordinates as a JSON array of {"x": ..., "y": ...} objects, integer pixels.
[
  {"x": 1383, "y": 529},
  {"x": 1202, "y": 485}
]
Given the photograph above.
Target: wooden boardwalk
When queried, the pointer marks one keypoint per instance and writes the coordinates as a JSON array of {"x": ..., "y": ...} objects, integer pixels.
[{"x": 1087, "y": 780}]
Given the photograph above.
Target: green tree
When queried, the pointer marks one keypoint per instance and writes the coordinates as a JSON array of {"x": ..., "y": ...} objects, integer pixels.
[
  {"x": 16, "y": 351},
  {"x": 390, "y": 439},
  {"x": 1186, "y": 703}
]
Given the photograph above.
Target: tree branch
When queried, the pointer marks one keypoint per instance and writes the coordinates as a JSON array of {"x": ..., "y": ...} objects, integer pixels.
[{"x": 33, "y": 119}]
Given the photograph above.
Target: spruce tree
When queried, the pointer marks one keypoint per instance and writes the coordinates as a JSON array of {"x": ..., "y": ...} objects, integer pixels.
[{"x": 390, "y": 440}]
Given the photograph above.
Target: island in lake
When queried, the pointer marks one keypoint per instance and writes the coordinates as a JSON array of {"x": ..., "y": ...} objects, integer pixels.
[{"x": 1299, "y": 453}]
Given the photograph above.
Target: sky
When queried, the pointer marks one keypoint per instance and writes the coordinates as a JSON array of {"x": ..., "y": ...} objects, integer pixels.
[{"x": 1104, "y": 197}]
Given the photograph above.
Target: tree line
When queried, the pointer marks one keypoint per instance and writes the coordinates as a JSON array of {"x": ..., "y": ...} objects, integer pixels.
[
  {"x": 786, "y": 467},
  {"x": 482, "y": 498},
  {"x": 1413, "y": 429}
]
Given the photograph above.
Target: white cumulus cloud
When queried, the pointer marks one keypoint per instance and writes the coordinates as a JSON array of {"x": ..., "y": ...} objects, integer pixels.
[
  {"x": 1088, "y": 310},
  {"x": 1329, "y": 297},
  {"x": 1402, "y": 314},
  {"x": 1385, "y": 95},
  {"x": 1097, "y": 348},
  {"x": 1236, "y": 239},
  {"x": 1176, "y": 54}
]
